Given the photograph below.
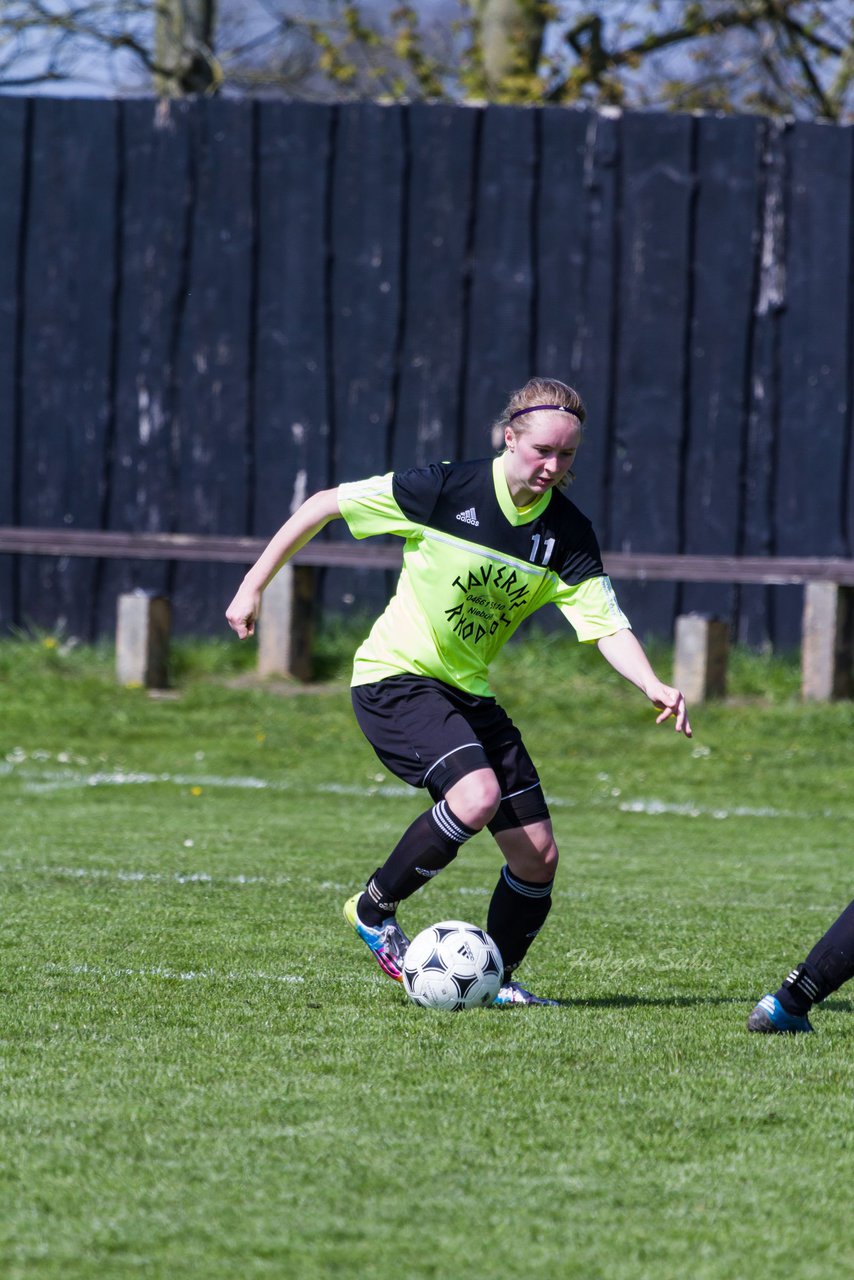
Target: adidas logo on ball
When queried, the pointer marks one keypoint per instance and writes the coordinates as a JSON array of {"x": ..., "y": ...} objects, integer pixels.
[
  {"x": 452, "y": 965},
  {"x": 469, "y": 517}
]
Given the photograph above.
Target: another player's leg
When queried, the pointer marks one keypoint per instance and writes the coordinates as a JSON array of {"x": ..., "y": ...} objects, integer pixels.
[
  {"x": 826, "y": 968},
  {"x": 521, "y": 900}
]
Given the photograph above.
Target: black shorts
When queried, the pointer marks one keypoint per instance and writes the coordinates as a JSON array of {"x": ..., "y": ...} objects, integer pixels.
[{"x": 431, "y": 735}]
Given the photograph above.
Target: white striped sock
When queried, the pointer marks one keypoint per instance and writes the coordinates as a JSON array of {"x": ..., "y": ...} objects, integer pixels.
[
  {"x": 449, "y": 825},
  {"x": 526, "y": 890}
]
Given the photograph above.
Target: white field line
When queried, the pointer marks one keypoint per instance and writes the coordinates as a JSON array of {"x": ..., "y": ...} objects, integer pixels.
[
  {"x": 655, "y": 807},
  {"x": 125, "y": 876},
  {"x": 149, "y": 877},
  {"x": 44, "y": 781},
  {"x": 157, "y": 971}
]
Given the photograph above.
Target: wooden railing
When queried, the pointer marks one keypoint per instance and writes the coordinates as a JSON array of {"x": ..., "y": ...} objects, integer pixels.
[{"x": 286, "y": 633}]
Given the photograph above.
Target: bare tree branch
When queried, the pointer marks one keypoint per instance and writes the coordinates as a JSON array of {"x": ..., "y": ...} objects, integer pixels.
[{"x": 776, "y": 56}]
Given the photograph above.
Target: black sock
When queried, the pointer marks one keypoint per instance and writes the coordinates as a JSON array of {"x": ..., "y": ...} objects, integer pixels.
[
  {"x": 826, "y": 968},
  {"x": 429, "y": 844},
  {"x": 517, "y": 913}
]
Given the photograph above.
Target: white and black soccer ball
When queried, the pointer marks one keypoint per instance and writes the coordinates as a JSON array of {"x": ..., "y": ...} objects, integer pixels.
[{"x": 452, "y": 965}]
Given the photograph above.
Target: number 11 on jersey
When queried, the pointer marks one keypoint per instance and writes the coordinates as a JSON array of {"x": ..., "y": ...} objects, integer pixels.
[{"x": 548, "y": 547}]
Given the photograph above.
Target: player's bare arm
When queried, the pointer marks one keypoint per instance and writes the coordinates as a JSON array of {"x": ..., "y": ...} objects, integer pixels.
[
  {"x": 626, "y": 655},
  {"x": 308, "y": 520}
]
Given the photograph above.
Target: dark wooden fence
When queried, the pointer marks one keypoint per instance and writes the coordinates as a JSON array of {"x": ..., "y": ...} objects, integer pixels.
[{"x": 210, "y": 309}]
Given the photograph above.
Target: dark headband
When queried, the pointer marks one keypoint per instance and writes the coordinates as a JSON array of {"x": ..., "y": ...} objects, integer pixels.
[{"x": 556, "y": 408}]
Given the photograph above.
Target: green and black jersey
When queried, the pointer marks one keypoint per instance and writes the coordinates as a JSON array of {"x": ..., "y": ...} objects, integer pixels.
[{"x": 474, "y": 566}]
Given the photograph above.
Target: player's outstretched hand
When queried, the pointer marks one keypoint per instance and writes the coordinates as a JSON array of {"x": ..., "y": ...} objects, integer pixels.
[
  {"x": 242, "y": 614},
  {"x": 670, "y": 702}
]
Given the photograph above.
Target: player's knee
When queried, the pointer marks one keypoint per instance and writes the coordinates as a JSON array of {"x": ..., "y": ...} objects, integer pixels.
[
  {"x": 533, "y": 855},
  {"x": 475, "y": 798},
  {"x": 550, "y": 858}
]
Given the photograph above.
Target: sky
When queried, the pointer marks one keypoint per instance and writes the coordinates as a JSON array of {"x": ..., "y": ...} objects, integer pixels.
[{"x": 99, "y": 73}]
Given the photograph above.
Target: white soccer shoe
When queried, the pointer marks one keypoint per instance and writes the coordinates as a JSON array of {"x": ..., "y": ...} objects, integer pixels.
[{"x": 512, "y": 993}]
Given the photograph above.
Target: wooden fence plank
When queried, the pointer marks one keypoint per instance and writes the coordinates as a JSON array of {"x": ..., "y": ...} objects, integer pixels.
[
  {"x": 14, "y": 118},
  {"x": 657, "y": 184},
  {"x": 293, "y": 378},
  {"x": 212, "y": 408},
  {"x": 367, "y": 207},
  {"x": 720, "y": 336},
  {"x": 560, "y": 218},
  {"x": 499, "y": 355},
  {"x": 427, "y": 412},
  {"x": 156, "y": 201},
  {"x": 291, "y": 414},
  {"x": 368, "y": 202},
  {"x": 568, "y": 312},
  {"x": 593, "y": 367},
  {"x": 812, "y": 445},
  {"x": 754, "y": 620},
  {"x": 67, "y": 345}
]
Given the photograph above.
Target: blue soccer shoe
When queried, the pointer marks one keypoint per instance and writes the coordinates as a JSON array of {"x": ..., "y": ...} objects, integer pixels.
[
  {"x": 388, "y": 942},
  {"x": 770, "y": 1017}
]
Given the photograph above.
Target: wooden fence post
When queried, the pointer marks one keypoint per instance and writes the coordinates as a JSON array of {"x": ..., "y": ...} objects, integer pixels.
[
  {"x": 143, "y": 626},
  {"x": 826, "y": 641},
  {"x": 700, "y": 656},
  {"x": 286, "y": 625}
]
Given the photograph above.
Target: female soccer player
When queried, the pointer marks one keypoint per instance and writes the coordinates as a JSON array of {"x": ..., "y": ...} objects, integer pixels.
[
  {"x": 826, "y": 968},
  {"x": 486, "y": 544}
]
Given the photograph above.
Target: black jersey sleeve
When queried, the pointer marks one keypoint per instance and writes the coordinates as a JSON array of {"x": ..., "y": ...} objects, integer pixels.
[
  {"x": 417, "y": 491},
  {"x": 582, "y": 558}
]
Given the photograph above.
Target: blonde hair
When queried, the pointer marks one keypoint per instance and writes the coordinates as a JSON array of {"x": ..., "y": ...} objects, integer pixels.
[{"x": 539, "y": 393}]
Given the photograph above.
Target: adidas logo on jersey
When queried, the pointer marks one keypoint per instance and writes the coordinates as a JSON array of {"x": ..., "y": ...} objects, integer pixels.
[{"x": 469, "y": 517}]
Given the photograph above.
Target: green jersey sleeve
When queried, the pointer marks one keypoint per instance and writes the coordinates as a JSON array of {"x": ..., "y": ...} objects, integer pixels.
[
  {"x": 591, "y": 608},
  {"x": 370, "y": 507}
]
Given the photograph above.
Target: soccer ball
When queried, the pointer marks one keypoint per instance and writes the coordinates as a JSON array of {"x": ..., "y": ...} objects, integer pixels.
[{"x": 452, "y": 965}]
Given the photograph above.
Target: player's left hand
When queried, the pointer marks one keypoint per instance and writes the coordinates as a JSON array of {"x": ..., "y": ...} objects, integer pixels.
[{"x": 669, "y": 703}]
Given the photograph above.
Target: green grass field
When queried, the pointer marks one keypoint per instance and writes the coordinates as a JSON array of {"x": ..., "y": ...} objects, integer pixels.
[{"x": 205, "y": 1075}]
